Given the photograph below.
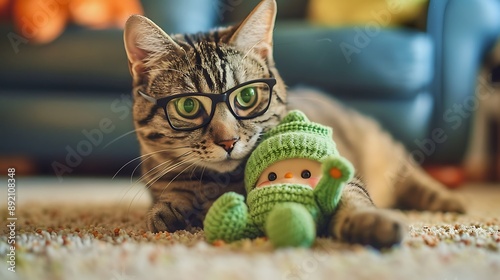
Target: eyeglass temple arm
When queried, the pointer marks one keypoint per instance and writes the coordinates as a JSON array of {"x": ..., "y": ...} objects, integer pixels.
[{"x": 147, "y": 97}]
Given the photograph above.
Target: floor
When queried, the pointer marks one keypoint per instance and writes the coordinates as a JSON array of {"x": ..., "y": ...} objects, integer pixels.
[{"x": 86, "y": 228}]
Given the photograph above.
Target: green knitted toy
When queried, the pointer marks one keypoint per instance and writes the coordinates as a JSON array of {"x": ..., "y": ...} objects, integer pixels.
[{"x": 294, "y": 181}]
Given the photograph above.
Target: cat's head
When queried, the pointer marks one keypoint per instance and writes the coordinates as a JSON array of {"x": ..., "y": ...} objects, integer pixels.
[{"x": 213, "y": 63}]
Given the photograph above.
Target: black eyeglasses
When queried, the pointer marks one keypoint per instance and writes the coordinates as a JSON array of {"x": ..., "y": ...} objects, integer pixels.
[{"x": 190, "y": 111}]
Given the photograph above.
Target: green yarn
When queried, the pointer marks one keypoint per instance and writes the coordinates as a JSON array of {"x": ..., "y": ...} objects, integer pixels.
[
  {"x": 228, "y": 218},
  {"x": 329, "y": 190},
  {"x": 262, "y": 200},
  {"x": 286, "y": 216},
  {"x": 289, "y": 214},
  {"x": 294, "y": 137}
]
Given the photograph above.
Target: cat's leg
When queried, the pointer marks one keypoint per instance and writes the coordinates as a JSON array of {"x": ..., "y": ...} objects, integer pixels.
[
  {"x": 394, "y": 179},
  {"x": 184, "y": 204},
  {"x": 357, "y": 220},
  {"x": 378, "y": 158},
  {"x": 415, "y": 189},
  {"x": 173, "y": 211}
]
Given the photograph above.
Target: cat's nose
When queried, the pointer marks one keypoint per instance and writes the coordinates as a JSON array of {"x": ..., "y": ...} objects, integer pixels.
[{"x": 228, "y": 145}]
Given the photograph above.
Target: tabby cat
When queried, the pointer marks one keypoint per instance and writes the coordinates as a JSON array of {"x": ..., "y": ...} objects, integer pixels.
[{"x": 189, "y": 159}]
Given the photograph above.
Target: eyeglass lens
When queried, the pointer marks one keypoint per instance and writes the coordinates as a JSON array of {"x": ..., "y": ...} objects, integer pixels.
[{"x": 195, "y": 110}]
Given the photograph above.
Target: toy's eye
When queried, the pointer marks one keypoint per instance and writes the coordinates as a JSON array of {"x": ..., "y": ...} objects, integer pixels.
[
  {"x": 272, "y": 176},
  {"x": 305, "y": 174}
]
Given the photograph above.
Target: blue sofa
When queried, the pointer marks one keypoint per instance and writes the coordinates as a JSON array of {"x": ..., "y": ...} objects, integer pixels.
[{"x": 67, "y": 104}]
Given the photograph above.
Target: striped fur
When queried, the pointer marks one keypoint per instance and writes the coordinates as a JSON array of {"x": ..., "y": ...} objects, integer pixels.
[{"x": 187, "y": 171}]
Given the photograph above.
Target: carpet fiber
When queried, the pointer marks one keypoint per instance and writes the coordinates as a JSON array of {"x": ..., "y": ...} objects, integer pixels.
[{"x": 80, "y": 232}]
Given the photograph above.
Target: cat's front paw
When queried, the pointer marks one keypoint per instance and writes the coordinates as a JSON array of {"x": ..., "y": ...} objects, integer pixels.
[
  {"x": 163, "y": 216},
  {"x": 423, "y": 198},
  {"x": 374, "y": 227}
]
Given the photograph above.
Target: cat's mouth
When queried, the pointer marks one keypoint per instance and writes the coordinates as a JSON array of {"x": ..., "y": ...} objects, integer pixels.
[
  {"x": 224, "y": 161},
  {"x": 229, "y": 157},
  {"x": 224, "y": 165},
  {"x": 237, "y": 153}
]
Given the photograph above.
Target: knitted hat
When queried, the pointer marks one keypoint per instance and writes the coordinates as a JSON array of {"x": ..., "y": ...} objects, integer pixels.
[{"x": 294, "y": 137}]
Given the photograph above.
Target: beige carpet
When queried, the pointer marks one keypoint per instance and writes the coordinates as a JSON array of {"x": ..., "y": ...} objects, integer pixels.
[{"x": 95, "y": 229}]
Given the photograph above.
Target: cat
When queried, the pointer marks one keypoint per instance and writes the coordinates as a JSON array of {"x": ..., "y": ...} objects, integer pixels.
[{"x": 186, "y": 171}]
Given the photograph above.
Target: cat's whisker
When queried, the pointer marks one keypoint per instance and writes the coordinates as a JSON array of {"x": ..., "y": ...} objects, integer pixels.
[
  {"x": 134, "y": 159},
  {"x": 123, "y": 135},
  {"x": 192, "y": 172},
  {"x": 161, "y": 164},
  {"x": 202, "y": 173},
  {"x": 169, "y": 169},
  {"x": 154, "y": 176},
  {"x": 166, "y": 171},
  {"x": 158, "y": 173},
  {"x": 182, "y": 171},
  {"x": 194, "y": 161},
  {"x": 153, "y": 154},
  {"x": 133, "y": 185},
  {"x": 137, "y": 167},
  {"x": 145, "y": 155},
  {"x": 163, "y": 173}
]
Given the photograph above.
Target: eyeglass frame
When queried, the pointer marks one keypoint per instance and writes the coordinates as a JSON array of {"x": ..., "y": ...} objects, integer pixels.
[{"x": 215, "y": 98}]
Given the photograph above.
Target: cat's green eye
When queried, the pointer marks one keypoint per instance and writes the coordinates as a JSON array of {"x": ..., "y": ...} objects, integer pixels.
[
  {"x": 246, "y": 98},
  {"x": 187, "y": 107}
]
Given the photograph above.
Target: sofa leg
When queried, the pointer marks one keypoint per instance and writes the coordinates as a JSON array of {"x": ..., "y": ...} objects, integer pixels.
[{"x": 497, "y": 149}]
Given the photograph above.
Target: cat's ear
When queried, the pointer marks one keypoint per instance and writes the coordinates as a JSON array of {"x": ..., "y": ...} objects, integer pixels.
[
  {"x": 145, "y": 41},
  {"x": 256, "y": 31}
]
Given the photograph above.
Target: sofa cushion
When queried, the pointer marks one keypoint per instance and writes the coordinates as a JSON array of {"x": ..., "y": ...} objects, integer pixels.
[
  {"x": 355, "y": 61},
  {"x": 80, "y": 59}
]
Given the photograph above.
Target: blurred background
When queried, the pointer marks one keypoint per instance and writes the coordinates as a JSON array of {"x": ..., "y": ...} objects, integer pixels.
[{"x": 426, "y": 70}]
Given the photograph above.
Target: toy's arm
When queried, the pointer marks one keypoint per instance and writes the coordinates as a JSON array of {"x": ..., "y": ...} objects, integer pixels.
[
  {"x": 337, "y": 171},
  {"x": 251, "y": 230},
  {"x": 228, "y": 219}
]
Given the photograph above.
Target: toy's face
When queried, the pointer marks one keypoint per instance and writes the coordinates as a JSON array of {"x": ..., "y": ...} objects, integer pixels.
[{"x": 291, "y": 171}]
